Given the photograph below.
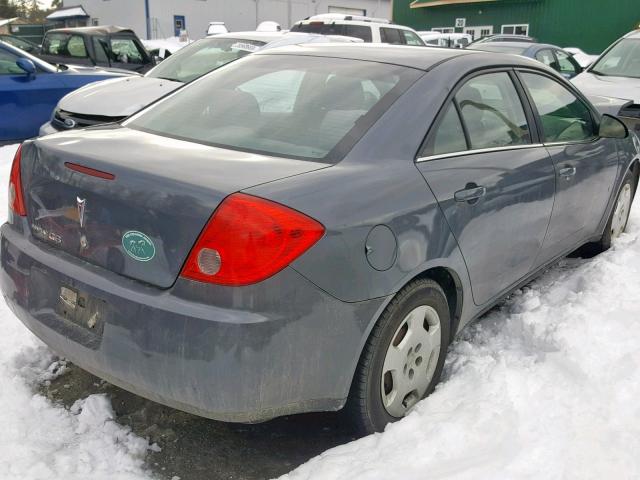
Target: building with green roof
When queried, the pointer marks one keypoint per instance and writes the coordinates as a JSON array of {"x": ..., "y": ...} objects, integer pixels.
[{"x": 588, "y": 24}]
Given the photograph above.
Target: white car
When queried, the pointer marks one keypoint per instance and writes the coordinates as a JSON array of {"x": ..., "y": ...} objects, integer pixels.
[
  {"x": 370, "y": 30},
  {"x": 616, "y": 73},
  {"x": 449, "y": 40},
  {"x": 112, "y": 101},
  {"x": 583, "y": 59},
  {"x": 217, "y": 28}
]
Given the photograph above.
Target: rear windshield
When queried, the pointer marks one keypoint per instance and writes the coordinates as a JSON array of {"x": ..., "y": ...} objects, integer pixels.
[
  {"x": 203, "y": 56},
  {"x": 488, "y": 47},
  {"x": 292, "y": 106},
  {"x": 358, "y": 31}
]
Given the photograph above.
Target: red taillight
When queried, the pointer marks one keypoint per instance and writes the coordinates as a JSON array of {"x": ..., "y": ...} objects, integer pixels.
[
  {"x": 249, "y": 239},
  {"x": 16, "y": 199}
]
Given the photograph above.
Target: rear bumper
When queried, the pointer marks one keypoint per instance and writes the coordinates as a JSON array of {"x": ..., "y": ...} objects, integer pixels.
[{"x": 235, "y": 354}]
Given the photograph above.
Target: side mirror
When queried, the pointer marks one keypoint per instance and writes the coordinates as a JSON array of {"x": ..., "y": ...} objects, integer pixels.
[
  {"x": 27, "y": 65},
  {"x": 612, "y": 127}
]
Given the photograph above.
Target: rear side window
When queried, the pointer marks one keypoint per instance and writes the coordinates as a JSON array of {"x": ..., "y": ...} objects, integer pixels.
[
  {"x": 358, "y": 31},
  {"x": 64, "y": 45},
  {"x": 492, "y": 112},
  {"x": 392, "y": 36},
  {"x": 565, "y": 118},
  {"x": 449, "y": 137}
]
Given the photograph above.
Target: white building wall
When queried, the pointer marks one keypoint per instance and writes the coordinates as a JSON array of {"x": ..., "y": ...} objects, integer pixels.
[{"x": 239, "y": 15}]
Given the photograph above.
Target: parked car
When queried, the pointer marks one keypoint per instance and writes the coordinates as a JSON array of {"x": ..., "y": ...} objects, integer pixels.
[
  {"x": 584, "y": 59},
  {"x": 505, "y": 38},
  {"x": 216, "y": 28},
  {"x": 115, "y": 100},
  {"x": 20, "y": 43},
  {"x": 107, "y": 46},
  {"x": 308, "y": 227},
  {"x": 552, "y": 56},
  {"x": 617, "y": 74},
  {"x": 370, "y": 30},
  {"x": 448, "y": 40},
  {"x": 31, "y": 88}
]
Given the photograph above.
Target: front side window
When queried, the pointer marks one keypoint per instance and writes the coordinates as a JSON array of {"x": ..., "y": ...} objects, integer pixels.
[
  {"x": 291, "y": 106},
  {"x": 8, "y": 63},
  {"x": 411, "y": 38},
  {"x": 623, "y": 60},
  {"x": 492, "y": 112},
  {"x": 546, "y": 56},
  {"x": 201, "y": 57},
  {"x": 565, "y": 118},
  {"x": 125, "y": 50},
  {"x": 567, "y": 65}
]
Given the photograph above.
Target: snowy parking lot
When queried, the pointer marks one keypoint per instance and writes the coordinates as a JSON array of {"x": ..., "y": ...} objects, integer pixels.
[{"x": 546, "y": 386}]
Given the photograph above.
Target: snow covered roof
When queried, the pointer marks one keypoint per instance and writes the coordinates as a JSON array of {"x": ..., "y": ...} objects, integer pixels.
[{"x": 67, "y": 13}]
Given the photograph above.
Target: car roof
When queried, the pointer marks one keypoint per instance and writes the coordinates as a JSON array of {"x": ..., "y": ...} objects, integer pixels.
[
  {"x": 633, "y": 34},
  {"x": 524, "y": 45},
  {"x": 421, "y": 58},
  {"x": 366, "y": 23},
  {"x": 255, "y": 36},
  {"x": 99, "y": 30}
]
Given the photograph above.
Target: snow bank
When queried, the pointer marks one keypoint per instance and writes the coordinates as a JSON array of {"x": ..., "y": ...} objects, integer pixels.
[
  {"x": 39, "y": 440},
  {"x": 546, "y": 388}
]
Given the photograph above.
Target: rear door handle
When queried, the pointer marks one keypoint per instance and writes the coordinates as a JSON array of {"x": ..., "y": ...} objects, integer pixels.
[
  {"x": 567, "y": 172},
  {"x": 471, "y": 194}
]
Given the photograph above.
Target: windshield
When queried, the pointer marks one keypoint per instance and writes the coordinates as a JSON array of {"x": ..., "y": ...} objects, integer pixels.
[
  {"x": 623, "y": 60},
  {"x": 488, "y": 47},
  {"x": 292, "y": 106},
  {"x": 203, "y": 56}
]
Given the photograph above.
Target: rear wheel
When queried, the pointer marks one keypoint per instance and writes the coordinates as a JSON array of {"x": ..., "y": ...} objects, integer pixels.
[
  {"x": 620, "y": 215},
  {"x": 403, "y": 358}
]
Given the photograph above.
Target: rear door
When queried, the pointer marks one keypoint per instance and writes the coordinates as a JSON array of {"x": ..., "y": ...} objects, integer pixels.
[
  {"x": 493, "y": 180},
  {"x": 586, "y": 166}
]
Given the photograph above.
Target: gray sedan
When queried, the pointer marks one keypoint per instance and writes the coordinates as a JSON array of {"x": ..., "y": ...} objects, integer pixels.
[{"x": 308, "y": 228}]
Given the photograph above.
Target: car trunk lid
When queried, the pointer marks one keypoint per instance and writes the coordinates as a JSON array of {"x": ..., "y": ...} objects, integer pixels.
[{"x": 133, "y": 202}]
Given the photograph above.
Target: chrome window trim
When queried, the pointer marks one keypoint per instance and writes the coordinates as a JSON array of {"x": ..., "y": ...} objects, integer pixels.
[{"x": 478, "y": 151}]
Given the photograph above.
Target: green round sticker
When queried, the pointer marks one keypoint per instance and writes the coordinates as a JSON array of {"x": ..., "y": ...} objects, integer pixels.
[{"x": 138, "y": 246}]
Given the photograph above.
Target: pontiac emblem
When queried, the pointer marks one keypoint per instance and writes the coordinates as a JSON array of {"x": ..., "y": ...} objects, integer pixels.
[{"x": 82, "y": 202}]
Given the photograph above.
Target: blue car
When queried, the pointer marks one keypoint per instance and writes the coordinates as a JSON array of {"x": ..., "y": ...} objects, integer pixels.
[
  {"x": 31, "y": 88},
  {"x": 554, "y": 57}
]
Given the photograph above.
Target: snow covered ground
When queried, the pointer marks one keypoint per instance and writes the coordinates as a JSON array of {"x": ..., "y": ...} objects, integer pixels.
[{"x": 546, "y": 387}]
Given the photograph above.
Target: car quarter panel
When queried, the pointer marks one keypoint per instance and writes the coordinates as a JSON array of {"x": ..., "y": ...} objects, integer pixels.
[{"x": 377, "y": 184}]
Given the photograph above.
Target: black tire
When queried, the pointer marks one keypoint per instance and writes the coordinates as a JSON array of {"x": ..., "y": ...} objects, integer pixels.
[
  {"x": 604, "y": 243},
  {"x": 365, "y": 408}
]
